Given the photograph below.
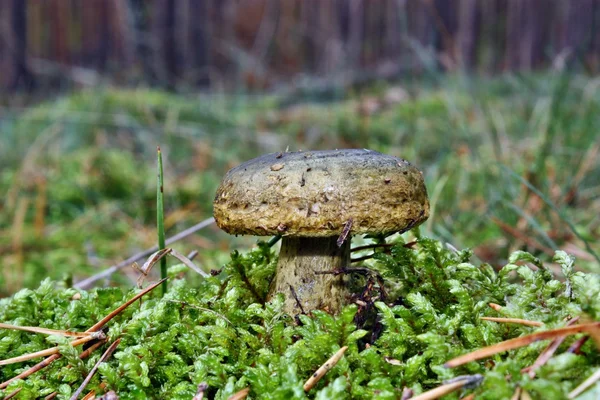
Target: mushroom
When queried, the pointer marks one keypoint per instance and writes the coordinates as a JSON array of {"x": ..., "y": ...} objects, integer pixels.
[{"x": 317, "y": 200}]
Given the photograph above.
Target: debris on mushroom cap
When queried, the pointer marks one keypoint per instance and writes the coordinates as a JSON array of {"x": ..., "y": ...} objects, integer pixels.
[{"x": 319, "y": 191}]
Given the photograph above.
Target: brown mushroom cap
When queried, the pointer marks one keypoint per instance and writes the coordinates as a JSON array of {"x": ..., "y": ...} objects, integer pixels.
[{"x": 316, "y": 193}]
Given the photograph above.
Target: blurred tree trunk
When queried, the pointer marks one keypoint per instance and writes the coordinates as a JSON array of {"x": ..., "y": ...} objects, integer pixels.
[
  {"x": 13, "y": 44},
  {"x": 166, "y": 60}
]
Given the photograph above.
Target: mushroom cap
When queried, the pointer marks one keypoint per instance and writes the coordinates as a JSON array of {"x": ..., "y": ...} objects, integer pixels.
[{"x": 317, "y": 193}]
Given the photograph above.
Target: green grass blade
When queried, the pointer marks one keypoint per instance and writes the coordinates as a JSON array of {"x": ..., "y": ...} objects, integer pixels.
[{"x": 160, "y": 219}]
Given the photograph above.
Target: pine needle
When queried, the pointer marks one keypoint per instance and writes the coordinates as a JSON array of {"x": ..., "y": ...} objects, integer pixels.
[
  {"x": 520, "y": 342},
  {"x": 513, "y": 321},
  {"x": 44, "y": 331}
]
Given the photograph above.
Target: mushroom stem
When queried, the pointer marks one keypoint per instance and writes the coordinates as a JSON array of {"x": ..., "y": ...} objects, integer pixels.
[{"x": 300, "y": 260}]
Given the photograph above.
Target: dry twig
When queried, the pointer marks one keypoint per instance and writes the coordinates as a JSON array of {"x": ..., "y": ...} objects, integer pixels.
[
  {"x": 323, "y": 369},
  {"x": 548, "y": 352},
  {"x": 585, "y": 385},
  {"x": 520, "y": 342},
  {"x": 44, "y": 331},
  {"x": 240, "y": 395},
  {"x": 104, "y": 357},
  {"x": 50, "y": 351}
]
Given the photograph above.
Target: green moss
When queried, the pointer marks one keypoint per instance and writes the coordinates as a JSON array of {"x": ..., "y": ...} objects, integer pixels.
[{"x": 216, "y": 332}]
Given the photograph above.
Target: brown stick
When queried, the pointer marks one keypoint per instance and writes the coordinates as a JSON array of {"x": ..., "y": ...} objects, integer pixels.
[
  {"x": 548, "y": 352},
  {"x": 520, "y": 342},
  {"x": 585, "y": 385},
  {"x": 35, "y": 368},
  {"x": 13, "y": 393},
  {"x": 46, "y": 352},
  {"x": 88, "y": 378},
  {"x": 96, "y": 327},
  {"x": 240, "y": 395},
  {"x": 84, "y": 354},
  {"x": 45, "y": 331},
  {"x": 54, "y": 357},
  {"x": 323, "y": 369}
]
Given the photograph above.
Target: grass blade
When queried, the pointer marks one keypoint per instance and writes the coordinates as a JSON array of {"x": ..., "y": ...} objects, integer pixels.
[{"x": 160, "y": 220}]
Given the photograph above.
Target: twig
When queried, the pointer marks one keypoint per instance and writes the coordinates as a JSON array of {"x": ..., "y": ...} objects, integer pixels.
[
  {"x": 32, "y": 370},
  {"x": 240, "y": 395},
  {"x": 297, "y": 299},
  {"x": 50, "y": 351},
  {"x": 44, "y": 331},
  {"x": 407, "y": 393},
  {"x": 513, "y": 321},
  {"x": 13, "y": 393},
  {"x": 517, "y": 393},
  {"x": 548, "y": 352},
  {"x": 323, "y": 369},
  {"x": 408, "y": 245},
  {"x": 159, "y": 256},
  {"x": 469, "y": 381},
  {"x": 576, "y": 346},
  {"x": 82, "y": 355},
  {"x": 585, "y": 385},
  {"x": 110, "y": 395},
  {"x": 87, "y": 379},
  {"x": 363, "y": 258},
  {"x": 520, "y": 342},
  {"x": 95, "y": 328},
  {"x": 98, "y": 325},
  {"x": 136, "y": 257},
  {"x": 371, "y": 246}
]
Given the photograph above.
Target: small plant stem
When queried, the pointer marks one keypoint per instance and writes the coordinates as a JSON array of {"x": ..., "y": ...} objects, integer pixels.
[
  {"x": 89, "y": 377},
  {"x": 273, "y": 240},
  {"x": 323, "y": 369},
  {"x": 160, "y": 220},
  {"x": 371, "y": 246}
]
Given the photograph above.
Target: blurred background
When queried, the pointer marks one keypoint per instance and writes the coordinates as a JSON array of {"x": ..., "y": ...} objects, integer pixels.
[{"x": 496, "y": 101}]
